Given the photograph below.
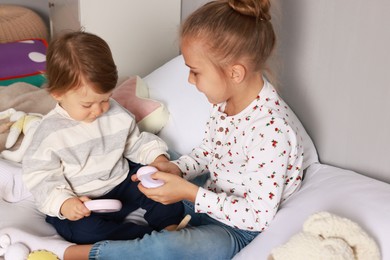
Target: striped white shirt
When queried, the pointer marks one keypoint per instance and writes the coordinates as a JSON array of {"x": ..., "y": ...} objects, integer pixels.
[{"x": 70, "y": 158}]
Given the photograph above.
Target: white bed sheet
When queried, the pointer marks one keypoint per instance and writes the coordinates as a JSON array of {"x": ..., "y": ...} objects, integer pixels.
[
  {"x": 24, "y": 215},
  {"x": 325, "y": 188}
]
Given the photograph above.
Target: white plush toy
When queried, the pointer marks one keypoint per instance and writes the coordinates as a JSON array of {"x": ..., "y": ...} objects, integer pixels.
[
  {"x": 19, "y": 251},
  {"x": 328, "y": 237},
  {"x": 22, "y": 122}
]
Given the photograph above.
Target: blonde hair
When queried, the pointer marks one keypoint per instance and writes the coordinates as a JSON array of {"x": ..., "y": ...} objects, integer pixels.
[
  {"x": 77, "y": 56},
  {"x": 233, "y": 31}
]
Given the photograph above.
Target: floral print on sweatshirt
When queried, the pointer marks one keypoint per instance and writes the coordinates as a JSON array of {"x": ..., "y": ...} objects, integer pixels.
[{"x": 254, "y": 159}]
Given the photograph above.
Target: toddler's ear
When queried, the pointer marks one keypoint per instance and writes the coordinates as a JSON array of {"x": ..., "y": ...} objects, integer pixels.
[{"x": 56, "y": 96}]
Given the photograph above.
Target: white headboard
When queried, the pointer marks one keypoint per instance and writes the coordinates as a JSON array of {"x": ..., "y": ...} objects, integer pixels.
[{"x": 334, "y": 71}]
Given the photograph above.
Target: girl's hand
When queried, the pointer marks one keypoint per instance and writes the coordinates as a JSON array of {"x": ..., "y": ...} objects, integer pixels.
[
  {"x": 163, "y": 166},
  {"x": 174, "y": 189},
  {"x": 74, "y": 208}
]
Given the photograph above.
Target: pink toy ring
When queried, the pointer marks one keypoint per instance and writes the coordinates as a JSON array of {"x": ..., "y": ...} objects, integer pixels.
[
  {"x": 144, "y": 175},
  {"x": 103, "y": 205}
]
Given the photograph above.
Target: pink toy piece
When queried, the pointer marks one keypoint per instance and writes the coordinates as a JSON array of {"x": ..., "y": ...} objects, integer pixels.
[
  {"x": 103, "y": 205},
  {"x": 144, "y": 175}
]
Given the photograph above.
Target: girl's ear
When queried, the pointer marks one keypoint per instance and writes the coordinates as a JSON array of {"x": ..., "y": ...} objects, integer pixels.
[{"x": 238, "y": 73}]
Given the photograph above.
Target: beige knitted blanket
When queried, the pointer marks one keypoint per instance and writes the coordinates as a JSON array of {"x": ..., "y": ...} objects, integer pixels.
[{"x": 23, "y": 97}]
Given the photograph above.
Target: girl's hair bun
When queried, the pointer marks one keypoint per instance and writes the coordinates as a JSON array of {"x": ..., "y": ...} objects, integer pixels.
[{"x": 256, "y": 8}]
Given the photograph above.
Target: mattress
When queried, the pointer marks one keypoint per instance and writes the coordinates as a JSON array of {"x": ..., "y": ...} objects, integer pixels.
[{"x": 345, "y": 193}]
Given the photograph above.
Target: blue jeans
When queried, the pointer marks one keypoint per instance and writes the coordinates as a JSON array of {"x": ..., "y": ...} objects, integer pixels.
[{"x": 205, "y": 238}]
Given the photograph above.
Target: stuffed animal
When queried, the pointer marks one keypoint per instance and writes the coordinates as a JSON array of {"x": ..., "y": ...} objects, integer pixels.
[
  {"x": 22, "y": 122},
  {"x": 328, "y": 237},
  {"x": 19, "y": 251}
]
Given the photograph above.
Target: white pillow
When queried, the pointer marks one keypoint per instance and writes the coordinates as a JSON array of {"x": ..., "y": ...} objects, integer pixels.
[
  {"x": 326, "y": 188},
  {"x": 12, "y": 188},
  {"x": 189, "y": 109}
]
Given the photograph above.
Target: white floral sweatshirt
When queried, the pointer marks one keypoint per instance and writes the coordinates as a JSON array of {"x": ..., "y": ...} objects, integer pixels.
[{"x": 254, "y": 159}]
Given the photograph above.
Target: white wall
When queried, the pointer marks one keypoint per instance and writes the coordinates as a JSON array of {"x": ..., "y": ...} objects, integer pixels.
[
  {"x": 335, "y": 74},
  {"x": 142, "y": 34},
  {"x": 188, "y": 6}
]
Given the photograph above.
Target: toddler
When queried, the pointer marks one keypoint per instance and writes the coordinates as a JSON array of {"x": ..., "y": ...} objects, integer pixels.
[{"x": 88, "y": 147}]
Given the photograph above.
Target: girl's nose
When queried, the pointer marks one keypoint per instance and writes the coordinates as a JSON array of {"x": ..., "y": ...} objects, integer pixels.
[{"x": 191, "y": 79}]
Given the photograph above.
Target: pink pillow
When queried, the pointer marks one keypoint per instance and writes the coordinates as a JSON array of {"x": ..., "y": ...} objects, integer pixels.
[{"x": 133, "y": 94}]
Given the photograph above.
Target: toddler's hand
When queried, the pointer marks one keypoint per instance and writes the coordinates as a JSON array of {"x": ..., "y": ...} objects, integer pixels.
[
  {"x": 74, "y": 208},
  {"x": 161, "y": 158},
  {"x": 168, "y": 167}
]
